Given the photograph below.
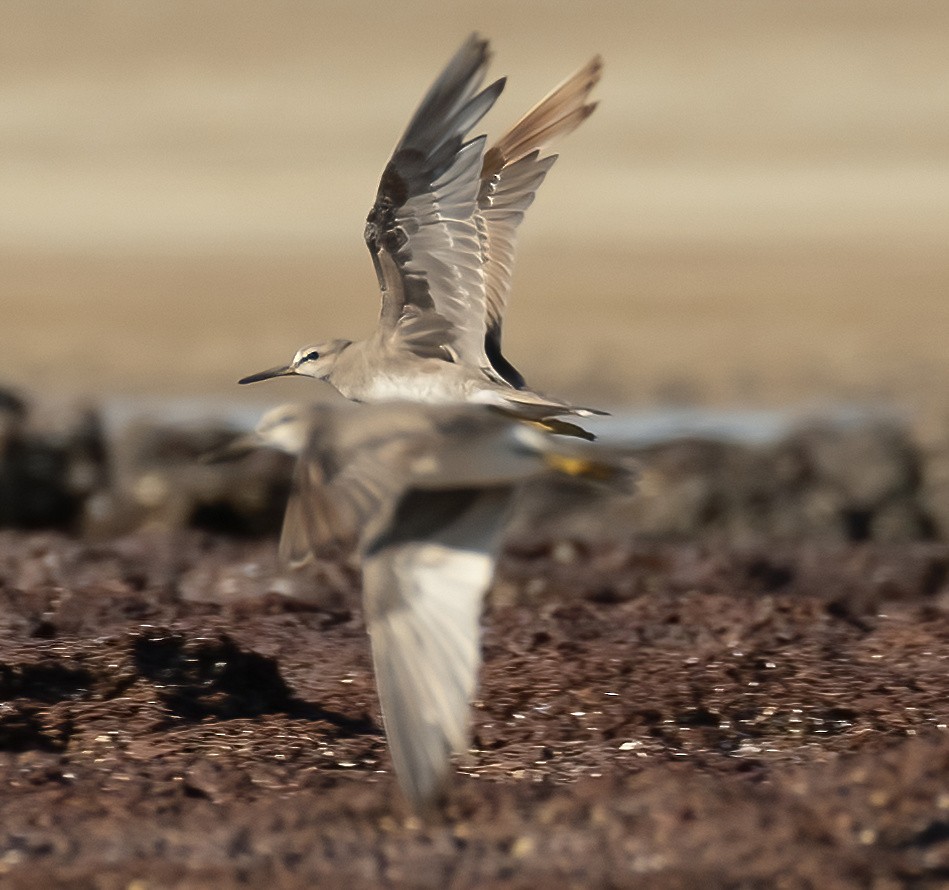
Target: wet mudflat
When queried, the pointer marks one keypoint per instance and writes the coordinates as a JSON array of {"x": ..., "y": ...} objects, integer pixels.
[{"x": 662, "y": 715}]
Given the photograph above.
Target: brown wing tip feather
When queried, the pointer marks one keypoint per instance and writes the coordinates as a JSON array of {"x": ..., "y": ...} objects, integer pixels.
[{"x": 562, "y": 110}]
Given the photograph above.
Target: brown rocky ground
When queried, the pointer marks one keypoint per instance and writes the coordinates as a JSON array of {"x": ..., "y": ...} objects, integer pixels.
[
  {"x": 756, "y": 215},
  {"x": 651, "y": 714}
]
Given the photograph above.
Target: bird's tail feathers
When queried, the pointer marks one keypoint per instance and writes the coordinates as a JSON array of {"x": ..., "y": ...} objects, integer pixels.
[{"x": 533, "y": 406}]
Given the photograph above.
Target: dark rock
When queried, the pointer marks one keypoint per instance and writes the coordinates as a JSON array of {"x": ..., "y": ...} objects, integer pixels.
[
  {"x": 48, "y": 469},
  {"x": 853, "y": 484}
]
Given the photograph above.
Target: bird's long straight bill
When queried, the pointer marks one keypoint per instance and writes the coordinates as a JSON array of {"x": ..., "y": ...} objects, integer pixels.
[{"x": 279, "y": 371}]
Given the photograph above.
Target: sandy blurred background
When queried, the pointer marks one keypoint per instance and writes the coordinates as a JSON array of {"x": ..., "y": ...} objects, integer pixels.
[{"x": 758, "y": 213}]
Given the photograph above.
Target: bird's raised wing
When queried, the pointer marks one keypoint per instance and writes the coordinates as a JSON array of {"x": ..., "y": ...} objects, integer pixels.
[
  {"x": 422, "y": 232},
  {"x": 512, "y": 172}
]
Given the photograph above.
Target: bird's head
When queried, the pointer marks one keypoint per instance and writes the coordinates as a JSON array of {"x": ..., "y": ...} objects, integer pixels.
[{"x": 315, "y": 361}]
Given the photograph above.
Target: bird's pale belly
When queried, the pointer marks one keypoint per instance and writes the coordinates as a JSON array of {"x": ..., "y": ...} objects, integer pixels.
[{"x": 418, "y": 387}]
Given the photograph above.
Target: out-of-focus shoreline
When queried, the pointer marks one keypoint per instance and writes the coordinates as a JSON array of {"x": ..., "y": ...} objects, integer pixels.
[{"x": 741, "y": 477}]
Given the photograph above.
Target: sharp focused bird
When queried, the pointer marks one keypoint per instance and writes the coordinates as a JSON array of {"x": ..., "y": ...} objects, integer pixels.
[{"x": 442, "y": 235}]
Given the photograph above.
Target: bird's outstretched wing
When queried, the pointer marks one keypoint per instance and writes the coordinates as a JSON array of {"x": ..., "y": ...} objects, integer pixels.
[
  {"x": 421, "y": 231},
  {"x": 427, "y": 516},
  {"x": 512, "y": 171},
  {"x": 423, "y": 586}
]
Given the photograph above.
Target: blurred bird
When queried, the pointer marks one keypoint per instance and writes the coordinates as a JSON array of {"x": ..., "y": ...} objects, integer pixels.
[
  {"x": 422, "y": 492},
  {"x": 442, "y": 237}
]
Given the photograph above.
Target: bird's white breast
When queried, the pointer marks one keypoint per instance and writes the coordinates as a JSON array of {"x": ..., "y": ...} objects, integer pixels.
[{"x": 420, "y": 387}]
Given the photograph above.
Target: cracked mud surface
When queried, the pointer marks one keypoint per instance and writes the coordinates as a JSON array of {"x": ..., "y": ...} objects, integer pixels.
[{"x": 650, "y": 715}]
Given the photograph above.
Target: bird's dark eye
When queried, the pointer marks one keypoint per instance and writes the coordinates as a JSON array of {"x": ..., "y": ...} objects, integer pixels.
[{"x": 311, "y": 356}]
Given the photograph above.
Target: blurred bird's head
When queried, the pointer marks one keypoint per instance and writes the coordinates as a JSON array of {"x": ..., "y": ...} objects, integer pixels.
[
  {"x": 284, "y": 428},
  {"x": 315, "y": 361}
]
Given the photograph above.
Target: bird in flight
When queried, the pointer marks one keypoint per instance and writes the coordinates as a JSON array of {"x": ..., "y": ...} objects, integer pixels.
[
  {"x": 442, "y": 236},
  {"x": 422, "y": 493}
]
